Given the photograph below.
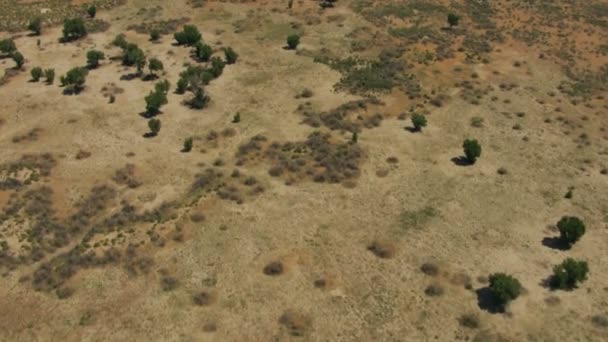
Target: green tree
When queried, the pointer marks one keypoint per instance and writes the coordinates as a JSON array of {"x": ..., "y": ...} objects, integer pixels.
[
  {"x": 189, "y": 36},
  {"x": 120, "y": 41},
  {"x": 154, "y": 101},
  {"x": 49, "y": 74},
  {"x": 154, "y": 125},
  {"x": 132, "y": 55},
  {"x": 73, "y": 29},
  {"x": 293, "y": 41},
  {"x": 182, "y": 85},
  {"x": 231, "y": 55},
  {"x": 93, "y": 58},
  {"x": 419, "y": 121},
  {"x": 36, "y": 73},
  {"x": 18, "y": 59},
  {"x": 453, "y": 19},
  {"x": 154, "y": 64},
  {"x": 504, "y": 287},
  {"x": 163, "y": 86},
  {"x": 472, "y": 150},
  {"x": 75, "y": 79},
  {"x": 92, "y": 11},
  {"x": 35, "y": 25},
  {"x": 7, "y": 46},
  {"x": 154, "y": 35},
  {"x": 202, "y": 51},
  {"x": 571, "y": 229},
  {"x": 567, "y": 274},
  {"x": 187, "y": 145},
  {"x": 217, "y": 66},
  {"x": 200, "y": 99}
]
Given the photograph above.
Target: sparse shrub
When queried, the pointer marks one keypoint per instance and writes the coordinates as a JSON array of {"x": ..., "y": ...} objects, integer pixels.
[
  {"x": 73, "y": 29},
  {"x": 569, "y": 194},
  {"x": 187, "y": 145},
  {"x": 36, "y": 73},
  {"x": 74, "y": 80},
  {"x": 200, "y": 99},
  {"x": 154, "y": 64},
  {"x": 236, "y": 118},
  {"x": 154, "y": 125},
  {"x": 434, "y": 290},
  {"x": 231, "y": 55},
  {"x": 188, "y": 36},
  {"x": 355, "y": 138},
  {"x": 419, "y": 121},
  {"x": 168, "y": 283},
  {"x": 202, "y": 51},
  {"x": 453, "y": 19},
  {"x": 154, "y": 35},
  {"x": 477, "y": 121},
  {"x": 472, "y": 150},
  {"x": 567, "y": 274},
  {"x": 49, "y": 74},
  {"x": 293, "y": 41},
  {"x": 504, "y": 287},
  {"x": 182, "y": 85},
  {"x": 92, "y": 11},
  {"x": 162, "y": 86},
  {"x": 571, "y": 229},
  {"x": 154, "y": 101},
  {"x": 35, "y": 25},
  {"x": 18, "y": 59},
  {"x": 429, "y": 269},
  {"x": 93, "y": 58},
  {"x": 470, "y": 321},
  {"x": 274, "y": 268}
]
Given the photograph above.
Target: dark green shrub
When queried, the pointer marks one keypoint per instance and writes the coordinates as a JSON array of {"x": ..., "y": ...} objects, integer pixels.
[
  {"x": 18, "y": 59},
  {"x": 217, "y": 66},
  {"x": 189, "y": 36},
  {"x": 231, "y": 55},
  {"x": 571, "y": 229},
  {"x": 453, "y": 19},
  {"x": 155, "y": 65},
  {"x": 236, "y": 118},
  {"x": 419, "y": 121},
  {"x": 293, "y": 41},
  {"x": 36, "y": 73},
  {"x": 202, "y": 51},
  {"x": 120, "y": 41},
  {"x": 35, "y": 25},
  {"x": 154, "y": 101},
  {"x": 504, "y": 287},
  {"x": 74, "y": 80},
  {"x": 73, "y": 29},
  {"x": 93, "y": 58},
  {"x": 355, "y": 138},
  {"x": 154, "y": 125},
  {"x": 182, "y": 85},
  {"x": 200, "y": 99},
  {"x": 163, "y": 86},
  {"x": 187, "y": 145},
  {"x": 7, "y": 46},
  {"x": 472, "y": 150},
  {"x": 92, "y": 11},
  {"x": 567, "y": 274},
  {"x": 49, "y": 74},
  {"x": 154, "y": 35}
]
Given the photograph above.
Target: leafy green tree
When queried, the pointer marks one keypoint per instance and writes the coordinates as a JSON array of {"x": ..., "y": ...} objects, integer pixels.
[
  {"x": 189, "y": 36},
  {"x": 293, "y": 41},
  {"x": 73, "y": 29},
  {"x": 419, "y": 121},
  {"x": 92, "y": 11},
  {"x": 154, "y": 35},
  {"x": 453, "y": 19},
  {"x": 217, "y": 66},
  {"x": 202, "y": 51},
  {"x": 163, "y": 86},
  {"x": 231, "y": 55},
  {"x": 154, "y": 101},
  {"x": 504, "y": 287},
  {"x": 18, "y": 59},
  {"x": 187, "y": 145},
  {"x": 49, "y": 74},
  {"x": 120, "y": 41},
  {"x": 154, "y": 125},
  {"x": 567, "y": 274},
  {"x": 571, "y": 229},
  {"x": 75, "y": 79},
  {"x": 93, "y": 58},
  {"x": 200, "y": 99},
  {"x": 36, "y": 73},
  {"x": 35, "y": 25},
  {"x": 182, "y": 85},
  {"x": 7, "y": 46},
  {"x": 472, "y": 150},
  {"x": 154, "y": 64}
]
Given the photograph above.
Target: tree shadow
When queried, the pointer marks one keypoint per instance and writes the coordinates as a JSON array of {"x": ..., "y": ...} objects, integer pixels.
[
  {"x": 149, "y": 115},
  {"x": 412, "y": 129},
  {"x": 555, "y": 243},
  {"x": 129, "y": 77},
  {"x": 461, "y": 161},
  {"x": 150, "y": 77},
  {"x": 149, "y": 135},
  {"x": 487, "y": 302}
]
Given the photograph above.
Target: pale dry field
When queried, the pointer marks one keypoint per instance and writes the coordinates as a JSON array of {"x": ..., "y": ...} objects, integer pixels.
[{"x": 409, "y": 197}]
